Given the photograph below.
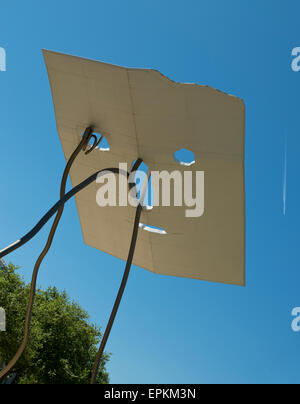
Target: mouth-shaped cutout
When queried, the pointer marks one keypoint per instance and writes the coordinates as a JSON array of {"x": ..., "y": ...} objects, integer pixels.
[
  {"x": 152, "y": 229},
  {"x": 184, "y": 157}
]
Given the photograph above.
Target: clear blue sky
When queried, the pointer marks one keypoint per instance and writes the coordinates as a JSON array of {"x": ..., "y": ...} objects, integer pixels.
[{"x": 168, "y": 330}]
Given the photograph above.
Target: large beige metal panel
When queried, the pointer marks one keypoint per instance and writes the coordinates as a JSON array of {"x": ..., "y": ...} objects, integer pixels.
[{"x": 144, "y": 114}]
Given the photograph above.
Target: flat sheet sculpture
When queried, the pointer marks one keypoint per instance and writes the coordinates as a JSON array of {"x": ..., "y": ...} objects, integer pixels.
[{"x": 144, "y": 114}]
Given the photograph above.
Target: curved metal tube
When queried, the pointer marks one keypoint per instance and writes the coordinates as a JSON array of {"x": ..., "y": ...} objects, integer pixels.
[
  {"x": 95, "y": 144},
  {"x": 59, "y": 207},
  {"x": 82, "y": 144},
  {"x": 120, "y": 294},
  {"x": 55, "y": 208},
  {"x": 64, "y": 198}
]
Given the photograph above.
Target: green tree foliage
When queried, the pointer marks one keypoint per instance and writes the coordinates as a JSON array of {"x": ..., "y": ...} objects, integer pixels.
[{"x": 62, "y": 345}]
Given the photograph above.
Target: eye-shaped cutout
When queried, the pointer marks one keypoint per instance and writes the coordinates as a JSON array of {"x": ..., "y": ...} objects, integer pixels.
[
  {"x": 152, "y": 229},
  {"x": 140, "y": 178},
  {"x": 184, "y": 157},
  {"x": 103, "y": 144}
]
